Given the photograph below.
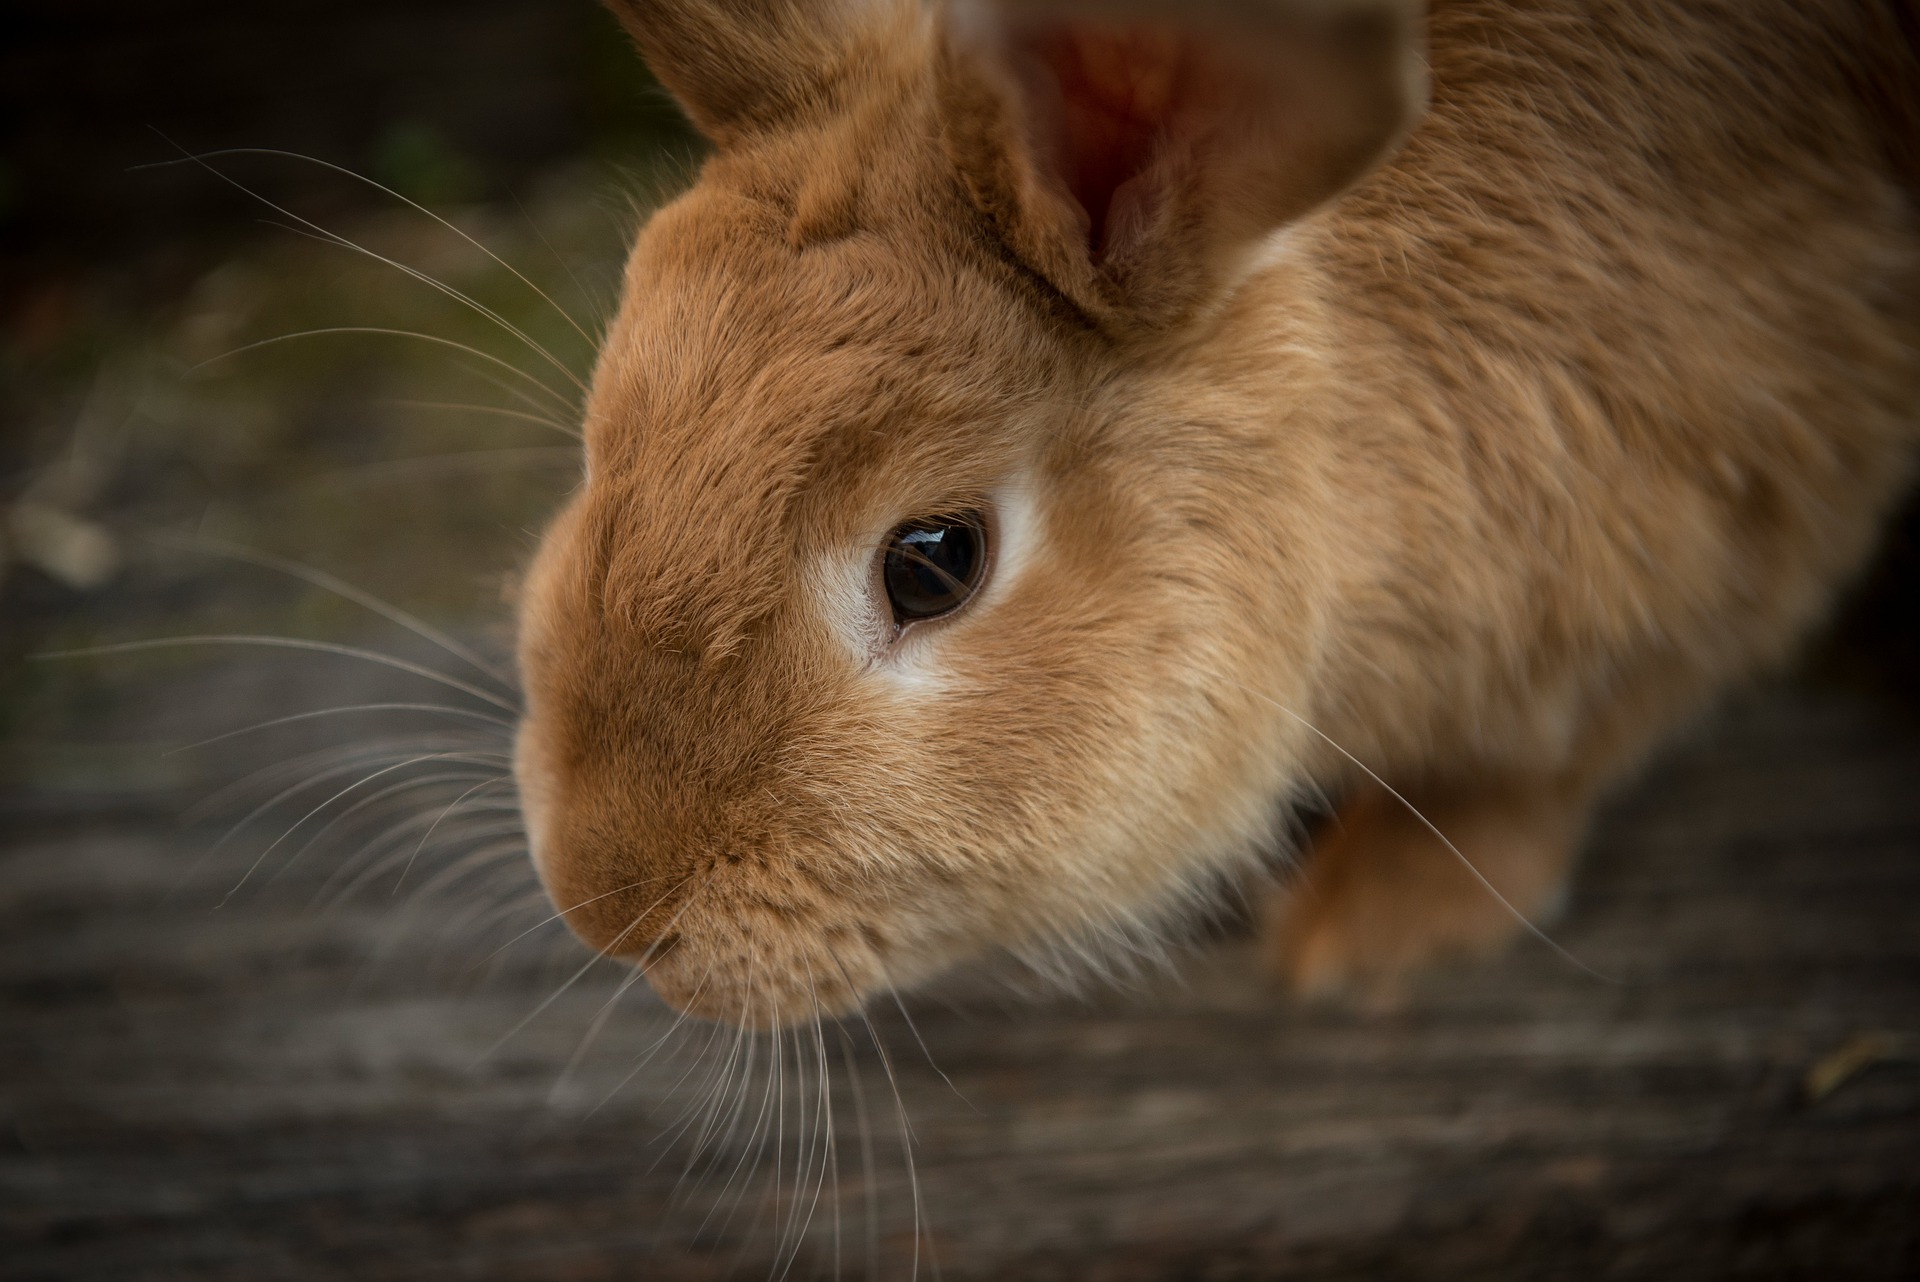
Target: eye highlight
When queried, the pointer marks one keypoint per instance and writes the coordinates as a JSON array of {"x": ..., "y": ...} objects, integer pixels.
[{"x": 932, "y": 565}]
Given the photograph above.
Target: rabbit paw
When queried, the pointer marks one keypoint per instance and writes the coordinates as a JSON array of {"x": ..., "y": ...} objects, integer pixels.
[{"x": 1381, "y": 896}]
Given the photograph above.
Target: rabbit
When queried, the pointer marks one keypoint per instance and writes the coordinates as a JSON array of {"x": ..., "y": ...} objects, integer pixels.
[{"x": 1047, "y": 442}]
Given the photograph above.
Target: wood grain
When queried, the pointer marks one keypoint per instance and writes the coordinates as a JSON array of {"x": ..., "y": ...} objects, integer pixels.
[{"x": 274, "y": 1090}]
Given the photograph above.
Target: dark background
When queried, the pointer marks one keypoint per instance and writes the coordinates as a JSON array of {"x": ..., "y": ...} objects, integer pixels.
[
  {"x": 312, "y": 1069},
  {"x": 455, "y": 100}
]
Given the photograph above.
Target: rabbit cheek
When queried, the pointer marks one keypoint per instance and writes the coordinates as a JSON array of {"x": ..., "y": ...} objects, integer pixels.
[
  {"x": 660, "y": 843},
  {"x": 767, "y": 950},
  {"x": 533, "y": 780}
]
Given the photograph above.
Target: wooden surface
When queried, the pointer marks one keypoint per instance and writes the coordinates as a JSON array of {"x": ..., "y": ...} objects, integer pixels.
[{"x": 275, "y": 1090}]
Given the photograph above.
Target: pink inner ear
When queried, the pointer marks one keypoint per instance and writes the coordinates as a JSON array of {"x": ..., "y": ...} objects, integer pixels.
[{"x": 1122, "y": 92}]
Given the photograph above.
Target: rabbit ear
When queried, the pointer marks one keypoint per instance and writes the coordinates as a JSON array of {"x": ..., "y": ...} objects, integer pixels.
[
  {"x": 1137, "y": 152},
  {"x": 741, "y": 65}
]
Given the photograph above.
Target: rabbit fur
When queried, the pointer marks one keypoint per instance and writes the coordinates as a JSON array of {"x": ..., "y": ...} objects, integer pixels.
[{"x": 1429, "y": 410}]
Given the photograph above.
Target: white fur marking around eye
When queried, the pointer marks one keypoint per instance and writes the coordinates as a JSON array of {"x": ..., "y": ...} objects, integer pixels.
[
  {"x": 844, "y": 586},
  {"x": 915, "y": 660}
]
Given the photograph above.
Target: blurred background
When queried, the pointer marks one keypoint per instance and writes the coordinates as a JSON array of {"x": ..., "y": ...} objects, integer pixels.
[{"x": 295, "y": 303}]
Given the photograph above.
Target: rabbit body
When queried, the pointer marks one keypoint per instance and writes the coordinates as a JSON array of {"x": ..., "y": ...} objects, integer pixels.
[{"x": 1441, "y": 480}]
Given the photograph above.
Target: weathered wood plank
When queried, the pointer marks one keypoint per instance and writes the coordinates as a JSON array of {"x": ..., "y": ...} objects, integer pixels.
[{"x": 240, "y": 1093}]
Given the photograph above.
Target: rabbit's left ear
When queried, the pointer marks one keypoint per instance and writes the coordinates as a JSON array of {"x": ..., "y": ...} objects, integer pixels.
[{"x": 1136, "y": 152}]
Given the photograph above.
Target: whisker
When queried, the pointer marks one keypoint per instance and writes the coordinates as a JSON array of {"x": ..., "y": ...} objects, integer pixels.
[
  {"x": 442, "y": 709},
  {"x": 298, "y": 823},
  {"x": 1466, "y": 863},
  {"x": 830, "y": 1157},
  {"x": 288, "y": 643},
  {"x": 350, "y": 760},
  {"x": 459, "y": 462},
  {"x": 900, "y": 1108},
  {"x": 344, "y": 590},
  {"x": 594, "y": 960},
  {"x": 755, "y": 1148},
  {"x": 869, "y": 1190},
  {"x": 560, "y": 401},
  {"x": 793, "y": 1235},
  {"x": 515, "y": 392},
  {"x": 705, "y": 1106},
  {"x": 201, "y": 158},
  {"x": 435, "y": 827},
  {"x": 494, "y": 411},
  {"x": 565, "y": 265},
  {"x": 798, "y": 1078},
  {"x": 564, "y": 911},
  {"x": 778, "y": 1131},
  {"x": 485, "y": 858},
  {"x": 374, "y": 850},
  {"x": 393, "y": 747},
  {"x": 913, "y": 1028},
  {"x": 489, "y": 857},
  {"x": 705, "y": 1109},
  {"x": 326, "y": 237},
  {"x": 647, "y": 1055},
  {"x": 592, "y": 1034}
]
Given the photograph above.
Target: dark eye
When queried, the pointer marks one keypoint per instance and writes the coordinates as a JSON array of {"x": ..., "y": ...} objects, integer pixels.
[{"x": 934, "y": 564}]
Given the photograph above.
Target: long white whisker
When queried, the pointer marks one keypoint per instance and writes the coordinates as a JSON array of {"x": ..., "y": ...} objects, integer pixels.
[
  {"x": 298, "y": 823},
  {"x": 697, "y": 1122},
  {"x": 869, "y": 1190},
  {"x": 346, "y": 591},
  {"x": 755, "y": 1148},
  {"x": 559, "y": 400},
  {"x": 646, "y": 1056},
  {"x": 479, "y": 308},
  {"x": 579, "y": 285},
  {"x": 486, "y": 858},
  {"x": 705, "y": 1107},
  {"x": 341, "y": 754},
  {"x": 901, "y": 1006},
  {"x": 441, "y": 709},
  {"x": 202, "y": 158},
  {"x": 435, "y": 826},
  {"x": 1413, "y": 810},
  {"x": 515, "y": 392},
  {"x": 830, "y": 1166},
  {"x": 599, "y": 1022},
  {"x": 288, "y": 643},
  {"x": 351, "y": 760},
  {"x": 564, "y": 911},
  {"x": 900, "y": 1108},
  {"x": 741, "y": 1053},
  {"x": 430, "y": 466},
  {"x": 374, "y": 850},
  {"x": 820, "y": 1135},
  {"x": 494, "y": 411},
  {"x": 597, "y": 958}
]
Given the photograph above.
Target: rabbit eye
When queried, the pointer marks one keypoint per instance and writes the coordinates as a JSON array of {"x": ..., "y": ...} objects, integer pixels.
[{"x": 933, "y": 565}]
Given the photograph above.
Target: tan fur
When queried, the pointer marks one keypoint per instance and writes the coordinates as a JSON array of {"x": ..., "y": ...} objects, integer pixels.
[{"x": 1490, "y": 471}]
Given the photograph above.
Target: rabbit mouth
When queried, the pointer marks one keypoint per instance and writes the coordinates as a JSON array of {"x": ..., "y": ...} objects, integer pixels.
[
  {"x": 743, "y": 972},
  {"x": 747, "y": 940}
]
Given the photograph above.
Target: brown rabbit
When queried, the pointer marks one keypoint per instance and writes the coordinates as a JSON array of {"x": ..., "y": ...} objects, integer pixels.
[{"x": 1048, "y": 440}]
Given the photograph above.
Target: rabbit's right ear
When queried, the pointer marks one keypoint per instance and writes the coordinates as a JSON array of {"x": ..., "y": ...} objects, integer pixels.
[
  {"x": 737, "y": 66},
  {"x": 1135, "y": 153}
]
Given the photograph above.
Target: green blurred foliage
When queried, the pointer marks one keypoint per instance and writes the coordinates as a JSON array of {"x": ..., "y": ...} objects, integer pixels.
[{"x": 416, "y": 159}]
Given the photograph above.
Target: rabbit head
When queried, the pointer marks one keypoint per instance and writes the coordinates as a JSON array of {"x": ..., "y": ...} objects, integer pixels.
[{"x": 920, "y": 516}]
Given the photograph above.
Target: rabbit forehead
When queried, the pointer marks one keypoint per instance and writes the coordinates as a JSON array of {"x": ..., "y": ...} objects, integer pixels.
[{"x": 754, "y": 401}]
